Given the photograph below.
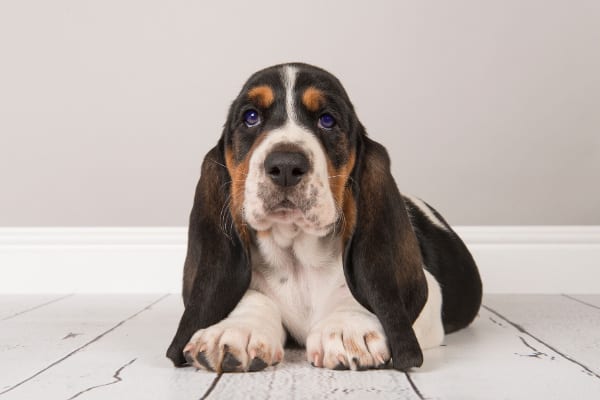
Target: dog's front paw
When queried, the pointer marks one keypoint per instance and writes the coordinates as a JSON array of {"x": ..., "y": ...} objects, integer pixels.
[
  {"x": 234, "y": 346},
  {"x": 348, "y": 339}
]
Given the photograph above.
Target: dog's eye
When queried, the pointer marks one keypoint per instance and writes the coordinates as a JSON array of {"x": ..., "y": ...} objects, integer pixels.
[
  {"x": 251, "y": 118},
  {"x": 326, "y": 121}
]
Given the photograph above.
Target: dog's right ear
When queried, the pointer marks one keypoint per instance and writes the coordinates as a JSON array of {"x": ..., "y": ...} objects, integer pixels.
[{"x": 217, "y": 270}]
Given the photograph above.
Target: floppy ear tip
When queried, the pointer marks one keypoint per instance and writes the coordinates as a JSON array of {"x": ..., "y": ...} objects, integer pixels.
[
  {"x": 176, "y": 355},
  {"x": 408, "y": 360}
]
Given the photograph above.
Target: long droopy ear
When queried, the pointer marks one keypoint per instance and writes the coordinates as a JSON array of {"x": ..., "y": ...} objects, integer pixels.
[
  {"x": 217, "y": 270},
  {"x": 382, "y": 259}
]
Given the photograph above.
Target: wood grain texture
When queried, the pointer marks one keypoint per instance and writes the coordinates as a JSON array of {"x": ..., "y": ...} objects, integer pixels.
[
  {"x": 34, "y": 343},
  {"x": 494, "y": 360},
  {"x": 127, "y": 363},
  {"x": 15, "y": 305},
  {"x": 591, "y": 300},
  {"x": 497, "y": 357},
  {"x": 295, "y": 378},
  {"x": 571, "y": 327}
]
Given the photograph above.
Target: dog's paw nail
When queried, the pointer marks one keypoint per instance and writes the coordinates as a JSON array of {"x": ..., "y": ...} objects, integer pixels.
[
  {"x": 257, "y": 364},
  {"x": 356, "y": 365},
  {"x": 230, "y": 363},
  {"x": 340, "y": 367},
  {"x": 315, "y": 361},
  {"x": 202, "y": 360},
  {"x": 278, "y": 356},
  {"x": 188, "y": 357}
]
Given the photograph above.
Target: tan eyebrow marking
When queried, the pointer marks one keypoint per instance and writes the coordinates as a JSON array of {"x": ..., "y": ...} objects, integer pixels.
[
  {"x": 313, "y": 98},
  {"x": 262, "y": 95}
]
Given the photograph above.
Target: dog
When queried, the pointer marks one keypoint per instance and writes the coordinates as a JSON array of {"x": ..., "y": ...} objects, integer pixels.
[{"x": 298, "y": 231}]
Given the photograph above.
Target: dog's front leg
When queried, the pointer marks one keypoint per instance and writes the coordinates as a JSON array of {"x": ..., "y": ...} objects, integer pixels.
[
  {"x": 349, "y": 337},
  {"x": 250, "y": 339}
]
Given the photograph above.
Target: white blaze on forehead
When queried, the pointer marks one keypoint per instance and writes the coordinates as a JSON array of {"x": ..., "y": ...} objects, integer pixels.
[{"x": 289, "y": 79}]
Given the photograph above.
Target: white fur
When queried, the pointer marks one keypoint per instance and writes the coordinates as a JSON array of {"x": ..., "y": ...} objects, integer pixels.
[
  {"x": 428, "y": 326},
  {"x": 420, "y": 204},
  {"x": 252, "y": 329},
  {"x": 306, "y": 282},
  {"x": 289, "y": 77}
]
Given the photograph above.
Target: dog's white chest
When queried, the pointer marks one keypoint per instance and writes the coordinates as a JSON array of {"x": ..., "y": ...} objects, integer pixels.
[{"x": 302, "y": 274}]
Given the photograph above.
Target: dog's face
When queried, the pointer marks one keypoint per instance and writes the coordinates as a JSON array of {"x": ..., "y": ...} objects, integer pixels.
[{"x": 290, "y": 146}]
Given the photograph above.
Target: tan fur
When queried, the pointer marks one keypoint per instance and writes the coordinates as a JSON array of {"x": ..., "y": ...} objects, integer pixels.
[
  {"x": 351, "y": 346},
  {"x": 263, "y": 234},
  {"x": 238, "y": 172},
  {"x": 371, "y": 336},
  {"x": 262, "y": 95},
  {"x": 349, "y": 210},
  {"x": 313, "y": 98},
  {"x": 342, "y": 194}
]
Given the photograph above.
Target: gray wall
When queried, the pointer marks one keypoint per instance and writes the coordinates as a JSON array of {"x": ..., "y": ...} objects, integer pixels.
[{"x": 491, "y": 112}]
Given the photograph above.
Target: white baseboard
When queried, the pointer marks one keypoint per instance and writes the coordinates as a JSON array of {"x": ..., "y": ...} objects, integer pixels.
[
  {"x": 523, "y": 259},
  {"x": 536, "y": 259}
]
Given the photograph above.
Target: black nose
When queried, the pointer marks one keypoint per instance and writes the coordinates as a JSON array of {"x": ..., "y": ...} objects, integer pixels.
[{"x": 286, "y": 168}]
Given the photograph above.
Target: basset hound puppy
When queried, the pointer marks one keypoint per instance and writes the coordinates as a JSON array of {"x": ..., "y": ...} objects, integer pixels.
[{"x": 298, "y": 230}]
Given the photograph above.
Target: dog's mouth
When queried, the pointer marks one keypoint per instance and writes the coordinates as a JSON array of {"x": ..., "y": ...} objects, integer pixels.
[
  {"x": 284, "y": 211},
  {"x": 284, "y": 205}
]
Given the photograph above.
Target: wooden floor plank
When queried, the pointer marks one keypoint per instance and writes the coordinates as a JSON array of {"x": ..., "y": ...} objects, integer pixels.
[
  {"x": 567, "y": 325},
  {"x": 12, "y": 306},
  {"x": 130, "y": 362},
  {"x": 35, "y": 341},
  {"x": 295, "y": 378},
  {"x": 591, "y": 300},
  {"x": 494, "y": 360}
]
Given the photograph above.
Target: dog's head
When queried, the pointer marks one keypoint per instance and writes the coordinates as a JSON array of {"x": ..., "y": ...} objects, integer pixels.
[
  {"x": 290, "y": 147},
  {"x": 294, "y": 152}
]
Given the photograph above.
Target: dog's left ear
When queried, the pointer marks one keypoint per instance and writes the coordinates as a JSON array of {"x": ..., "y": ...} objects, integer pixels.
[
  {"x": 217, "y": 266},
  {"x": 382, "y": 259}
]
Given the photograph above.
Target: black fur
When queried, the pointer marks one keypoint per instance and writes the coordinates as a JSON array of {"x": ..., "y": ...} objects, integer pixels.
[
  {"x": 447, "y": 258},
  {"x": 217, "y": 266},
  {"x": 382, "y": 261}
]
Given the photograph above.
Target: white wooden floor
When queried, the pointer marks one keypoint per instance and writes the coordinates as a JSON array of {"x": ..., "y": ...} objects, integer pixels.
[{"x": 112, "y": 347}]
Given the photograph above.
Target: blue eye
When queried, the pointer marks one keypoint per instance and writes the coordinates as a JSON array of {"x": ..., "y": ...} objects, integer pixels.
[
  {"x": 326, "y": 121},
  {"x": 251, "y": 118}
]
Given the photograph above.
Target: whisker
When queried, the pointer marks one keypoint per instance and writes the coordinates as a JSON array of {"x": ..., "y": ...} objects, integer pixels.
[
  {"x": 226, "y": 183},
  {"x": 338, "y": 176},
  {"x": 216, "y": 162},
  {"x": 224, "y": 215}
]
